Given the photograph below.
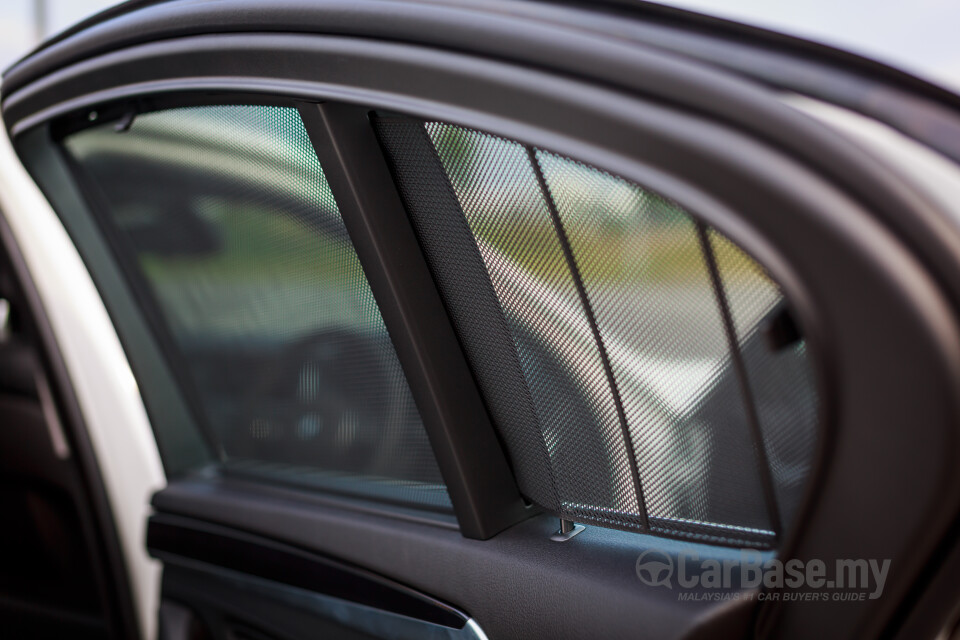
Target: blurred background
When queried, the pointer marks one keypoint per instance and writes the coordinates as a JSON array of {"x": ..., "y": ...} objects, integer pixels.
[
  {"x": 918, "y": 36},
  {"x": 24, "y": 23}
]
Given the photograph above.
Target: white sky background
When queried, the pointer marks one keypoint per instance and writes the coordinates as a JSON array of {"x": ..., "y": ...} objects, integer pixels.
[
  {"x": 920, "y": 36},
  {"x": 18, "y": 32}
]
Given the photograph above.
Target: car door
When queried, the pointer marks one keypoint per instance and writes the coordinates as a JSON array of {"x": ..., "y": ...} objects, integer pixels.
[{"x": 514, "y": 320}]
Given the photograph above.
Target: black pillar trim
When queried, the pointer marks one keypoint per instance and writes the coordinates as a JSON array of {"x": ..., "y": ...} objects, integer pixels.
[{"x": 481, "y": 485}]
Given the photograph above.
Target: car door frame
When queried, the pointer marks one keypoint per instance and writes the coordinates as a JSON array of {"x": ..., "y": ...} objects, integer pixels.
[{"x": 665, "y": 123}]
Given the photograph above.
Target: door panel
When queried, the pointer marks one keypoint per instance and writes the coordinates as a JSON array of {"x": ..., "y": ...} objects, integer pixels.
[
  {"x": 556, "y": 588},
  {"x": 235, "y": 581}
]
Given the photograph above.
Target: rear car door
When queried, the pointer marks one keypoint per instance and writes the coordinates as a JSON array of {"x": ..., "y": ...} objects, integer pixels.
[{"x": 512, "y": 320}]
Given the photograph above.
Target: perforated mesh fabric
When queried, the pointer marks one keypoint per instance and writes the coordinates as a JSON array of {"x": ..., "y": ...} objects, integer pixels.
[
  {"x": 510, "y": 221},
  {"x": 644, "y": 269},
  {"x": 230, "y": 235},
  {"x": 631, "y": 412},
  {"x": 780, "y": 376}
]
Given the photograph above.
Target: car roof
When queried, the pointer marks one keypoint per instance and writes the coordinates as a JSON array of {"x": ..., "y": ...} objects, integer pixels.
[
  {"x": 563, "y": 11},
  {"x": 912, "y": 105}
]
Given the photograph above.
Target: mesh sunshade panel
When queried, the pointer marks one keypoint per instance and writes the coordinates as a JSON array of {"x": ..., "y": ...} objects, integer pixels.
[
  {"x": 630, "y": 410},
  {"x": 223, "y": 217},
  {"x": 509, "y": 220},
  {"x": 648, "y": 282},
  {"x": 780, "y": 377}
]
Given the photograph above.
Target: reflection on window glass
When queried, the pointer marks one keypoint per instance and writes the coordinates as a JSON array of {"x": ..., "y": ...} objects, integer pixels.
[{"x": 224, "y": 219}]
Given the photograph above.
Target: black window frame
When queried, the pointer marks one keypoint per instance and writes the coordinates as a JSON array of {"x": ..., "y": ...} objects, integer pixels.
[
  {"x": 473, "y": 460},
  {"x": 482, "y": 487}
]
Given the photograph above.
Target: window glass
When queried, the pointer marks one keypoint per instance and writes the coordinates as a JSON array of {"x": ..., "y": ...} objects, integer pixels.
[
  {"x": 647, "y": 280},
  {"x": 779, "y": 373},
  {"x": 232, "y": 241},
  {"x": 627, "y": 319}
]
